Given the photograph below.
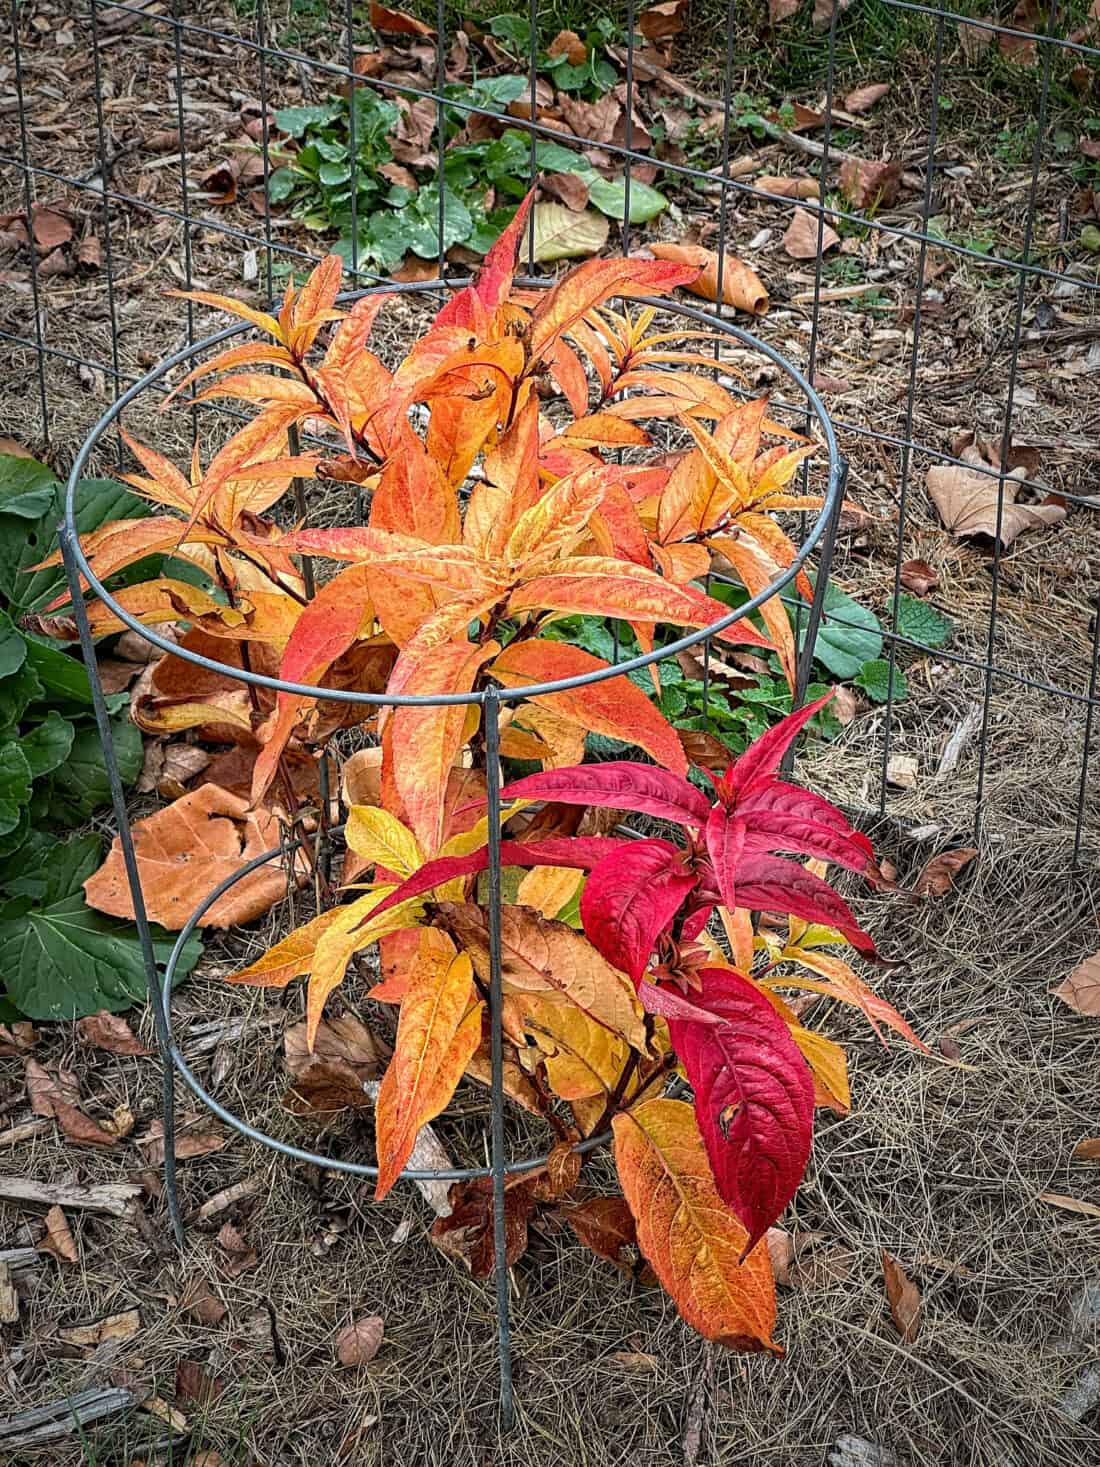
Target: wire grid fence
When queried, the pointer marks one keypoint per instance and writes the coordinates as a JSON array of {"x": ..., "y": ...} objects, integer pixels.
[{"x": 895, "y": 436}]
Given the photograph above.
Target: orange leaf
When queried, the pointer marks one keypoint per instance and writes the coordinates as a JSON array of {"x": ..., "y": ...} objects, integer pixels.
[
  {"x": 437, "y": 1034},
  {"x": 840, "y": 982},
  {"x": 313, "y": 306},
  {"x": 263, "y": 387},
  {"x": 245, "y": 447},
  {"x": 616, "y": 707},
  {"x": 289, "y": 959},
  {"x": 553, "y": 524},
  {"x": 596, "y": 586},
  {"x": 412, "y": 497},
  {"x": 263, "y": 319},
  {"x": 183, "y": 851},
  {"x": 426, "y": 741},
  {"x": 757, "y": 574},
  {"x": 249, "y": 353},
  {"x": 742, "y": 288},
  {"x": 687, "y": 1232},
  {"x": 339, "y": 613},
  {"x": 596, "y": 281}
]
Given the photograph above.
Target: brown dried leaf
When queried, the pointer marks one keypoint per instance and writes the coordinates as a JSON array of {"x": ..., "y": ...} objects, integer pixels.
[
  {"x": 195, "y": 1383},
  {"x": 346, "y": 1039},
  {"x": 110, "y": 1032},
  {"x": 122, "y": 1326},
  {"x": 59, "y": 1239},
  {"x": 360, "y": 1342},
  {"x": 219, "y": 183},
  {"x": 55, "y": 263},
  {"x": 864, "y": 98},
  {"x": 800, "y": 240},
  {"x": 1087, "y": 1150},
  {"x": 742, "y": 288},
  {"x": 780, "y": 10},
  {"x": 967, "y": 504},
  {"x": 9, "y": 1299},
  {"x": 170, "y": 766},
  {"x": 241, "y": 1254},
  {"x": 938, "y": 875},
  {"x": 570, "y": 188},
  {"x": 191, "y": 1139},
  {"x": 201, "y": 1304},
  {"x": 595, "y": 122},
  {"x": 467, "y": 1234},
  {"x": 868, "y": 185},
  {"x": 662, "y": 22},
  {"x": 325, "y": 1086},
  {"x": 904, "y": 1297},
  {"x": 788, "y": 188},
  {"x": 569, "y": 44},
  {"x": 397, "y": 22},
  {"x": 183, "y": 851},
  {"x": 606, "y": 1225},
  {"x": 412, "y": 271},
  {"x": 919, "y": 577},
  {"x": 45, "y": 1091},
  {"x": 51, "y": 229},
  {"x": 1070, "y": 1204},
  {"x": 975, "y": 39},
  {"x": 823, "y": 12},
  {"x": 89, "y": 252},
  {"x": 1081, "y": 990},
  {"x": 17, "y": 1038}
]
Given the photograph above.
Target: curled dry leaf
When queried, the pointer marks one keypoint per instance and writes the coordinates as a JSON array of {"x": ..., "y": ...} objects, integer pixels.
[
  {"x": 121, "y": 1326},
  {"x": 868, "y": 185},
  {"x": 801, "y": 238},
  {"x": 742, "y": 288},
  {"x": 360, "y": 1342},
  {"x": 864, "y": 98},
  {"x": 184, "y": 851},
  {"x": 904, "y": 1297},
  {"x": 1081, "y": 990},
  {"x": 202, "y": 1305},
  {"x": 967, "y": 503},
  {"x": 570, "y": 188},
  {"x": 195, "y": 1136},
  {"x": 240, "y": 1254},
  {"x": 938, "y": 875},
  {"x": 1087, "y": 1149},
  {"x": 570, "y": 45},
  {"x": 396, "y": 22},
  {"x": 594, "y": 122},
  {"x": 788, "y": 188},
  {"x": 919, "y": 577},
  {"x": 467, "y": 1234},
  {"x": 110, "y": 1032},
  {"x": 56, "y": 1096},
  {"x": 662, "y": 22},
  {"x": 59, "y": 1238},
  {"x": 1070, "y": 1204},
  {"x": 195, "y": 1383},
  {"x": 606, "y": 1225},
  {"x": 51, "y": 229}
]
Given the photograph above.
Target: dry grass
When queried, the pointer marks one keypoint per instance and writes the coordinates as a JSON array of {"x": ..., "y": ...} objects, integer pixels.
[{"x": 941, "y": 1164}]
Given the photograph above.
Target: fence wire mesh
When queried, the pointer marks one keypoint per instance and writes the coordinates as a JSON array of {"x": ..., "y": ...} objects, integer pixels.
[{"x": 929, "y": 257}]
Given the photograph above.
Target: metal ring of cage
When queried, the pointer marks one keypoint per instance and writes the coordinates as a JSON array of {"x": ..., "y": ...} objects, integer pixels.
[
  {"x": 822, "y": 531},
  {"x": 837, "y": 471}
]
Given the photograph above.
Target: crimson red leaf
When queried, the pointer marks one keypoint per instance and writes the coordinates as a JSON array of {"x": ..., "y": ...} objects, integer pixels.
[
  {"x": 769, "y": 884},
  {"x": 619, "y": 784},
  {"x": 790, "y": 799},
  {"x": 754, "y": 1097},
  {"x": 631, "y": 898},
  {"x": 725, "y": 836},
  {"x": 774, "y": 831},
  {"x": 580, "y": 852},
  {"x": 764, "y": 754},
  {"x": 670, "y": 1003},
  {"x": 494, "y": 280}
]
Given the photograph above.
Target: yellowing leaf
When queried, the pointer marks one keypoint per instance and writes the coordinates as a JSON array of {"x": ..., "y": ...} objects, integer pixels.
[
  {"x": 582, "y": 1058},
  {"x": 344, "y": 937},
  {"x": 549, "y": 888},
  {"x": 687, "y": 1232},
  {"x": 565, "y": 234},
  {"x": 293, "y": 957},
  {"x": 379, "y": 839},
  {"x": 437, "y": 1034},
  {"x": 548, "y": 958},
  {"x": 829, "y": 1066}
]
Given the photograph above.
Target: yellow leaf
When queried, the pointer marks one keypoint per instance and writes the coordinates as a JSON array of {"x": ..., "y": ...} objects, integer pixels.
[
  {"x": 582, "y": 1058},
  {"x": 380, "y": 839},
  {"x": 346, "y": 936},
  {"x": 549, "y": 888},
  {"x": 687, "y": 1232}
]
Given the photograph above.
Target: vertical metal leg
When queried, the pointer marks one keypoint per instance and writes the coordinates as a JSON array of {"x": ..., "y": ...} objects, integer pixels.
[
  {"x": 129, "y": 857},
  {"x": 496, "y": 1042},
  {"x": 817, "y": 606}
]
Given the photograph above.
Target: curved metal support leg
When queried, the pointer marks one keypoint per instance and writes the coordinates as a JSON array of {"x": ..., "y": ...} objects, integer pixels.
[
  {"x": 496, "y": 1043},
  {"x": 129, "y": 857}
]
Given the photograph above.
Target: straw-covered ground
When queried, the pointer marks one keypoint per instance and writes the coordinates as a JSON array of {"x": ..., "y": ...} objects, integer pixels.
[{"x": 943, "y": 1163}]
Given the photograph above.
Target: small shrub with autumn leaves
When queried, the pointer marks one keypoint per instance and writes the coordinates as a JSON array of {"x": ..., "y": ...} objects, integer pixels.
[{"x": 529, "y": 497}]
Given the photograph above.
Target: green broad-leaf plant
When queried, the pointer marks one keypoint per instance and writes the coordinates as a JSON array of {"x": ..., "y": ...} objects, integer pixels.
[{"x": 491, "y": 515}]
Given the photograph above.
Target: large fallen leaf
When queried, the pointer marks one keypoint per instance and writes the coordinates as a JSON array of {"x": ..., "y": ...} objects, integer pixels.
[
  {"x": 937, "y": 876},
  {"x": 563, "y": 234},
  {"x": 742, "y": 288},
  {"x": 360, "y": 1342},
  {"x": 110, "y": 1032},
  {"x": 686, "y": 1231},
  {"x": 967, "y": 504},
  {"x": 184, "y": 851},
  {"x": 868, "y": 184},
  {"x": 801, "y": 238},
  {"x": 467, "y": 1234},
  {"x": 1081, "y": 990},
  {"x": 904, "y": 1297}
]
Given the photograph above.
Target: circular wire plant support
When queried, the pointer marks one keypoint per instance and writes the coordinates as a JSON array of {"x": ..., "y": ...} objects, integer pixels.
[{"x": 820, "y": 534}]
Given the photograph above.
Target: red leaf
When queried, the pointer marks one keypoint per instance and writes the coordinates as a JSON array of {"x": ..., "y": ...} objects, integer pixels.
[
  {"x": 764, "y": 754},
  {"x": 579, "y": 851},
  {"x": 754, "y": 1098},
  {"x": 494, "y": 282},
  {"x": 630, "y": 899},
  {"x": 619, "y": 785},
  {"x": 769, "y": 884},
  {"x": 725, "y": 837}
]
